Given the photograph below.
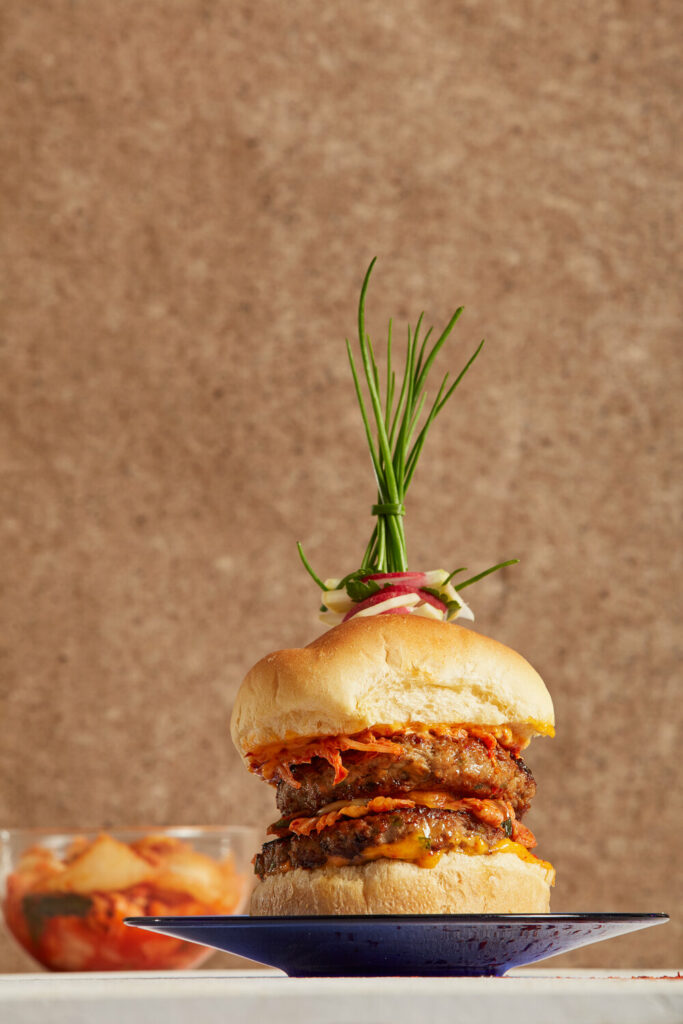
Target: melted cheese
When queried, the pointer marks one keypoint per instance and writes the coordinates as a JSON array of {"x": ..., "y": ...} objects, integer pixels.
[
  {"x": 544, "y": 728},
  {"x": 414, "y": 849}
]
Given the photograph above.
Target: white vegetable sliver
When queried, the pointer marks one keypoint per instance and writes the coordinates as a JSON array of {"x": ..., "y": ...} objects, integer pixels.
[
  {"x": 401, "y": 600},
  {"x": 464, "y": 612},
  {"x": 428, "y": 611},
  {"x": 337, "y": 601},
  {"x": 330, "y": 618},
  {"x": 434, "y": 577}
]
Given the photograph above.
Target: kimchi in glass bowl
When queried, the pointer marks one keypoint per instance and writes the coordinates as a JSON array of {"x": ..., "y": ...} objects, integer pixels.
[{"x": 65, "y": 894}]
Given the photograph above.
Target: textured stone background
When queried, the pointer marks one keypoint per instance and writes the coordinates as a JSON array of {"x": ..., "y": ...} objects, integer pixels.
[{"x": 192, "y": 191}]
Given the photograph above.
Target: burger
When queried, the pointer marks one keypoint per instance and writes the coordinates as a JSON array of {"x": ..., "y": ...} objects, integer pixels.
[
  {"x": 394, "y": 740},
  {"x": 394, "y": 745}
]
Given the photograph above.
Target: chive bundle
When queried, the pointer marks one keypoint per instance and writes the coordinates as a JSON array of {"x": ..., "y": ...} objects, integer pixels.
[
  {"x": 398, "y": 437},
  {"x": 399, "y": 444}
]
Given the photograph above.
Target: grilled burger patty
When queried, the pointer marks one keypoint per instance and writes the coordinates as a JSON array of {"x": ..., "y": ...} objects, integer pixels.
[
  {"x": 441, "y": 830},
  {"x": 463, "y": 766}
]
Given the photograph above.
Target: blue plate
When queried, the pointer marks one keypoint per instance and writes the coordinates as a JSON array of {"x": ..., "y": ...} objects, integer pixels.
[{"x": 429, "y": 945}]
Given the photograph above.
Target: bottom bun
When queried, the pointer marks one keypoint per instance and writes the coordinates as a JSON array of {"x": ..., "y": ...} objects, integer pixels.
[{"x": 497, "y": 883}]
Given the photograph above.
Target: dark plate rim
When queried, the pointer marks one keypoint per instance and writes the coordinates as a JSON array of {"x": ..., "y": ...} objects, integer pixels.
[{"x": 218, "y": 920}]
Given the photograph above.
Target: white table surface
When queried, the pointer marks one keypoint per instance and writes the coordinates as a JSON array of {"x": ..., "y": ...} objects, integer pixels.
[{"x": 267, "y": 997}]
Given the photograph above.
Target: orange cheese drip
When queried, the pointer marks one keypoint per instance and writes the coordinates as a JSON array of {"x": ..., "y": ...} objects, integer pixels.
[{"x": 413, "y": 849}]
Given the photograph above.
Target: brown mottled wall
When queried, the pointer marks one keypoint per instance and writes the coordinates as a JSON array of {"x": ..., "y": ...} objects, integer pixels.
[{"x": 192, "y": 190}]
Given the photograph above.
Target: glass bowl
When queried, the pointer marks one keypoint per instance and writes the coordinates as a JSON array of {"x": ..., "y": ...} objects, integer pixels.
[{"x": 65, "y": 893}]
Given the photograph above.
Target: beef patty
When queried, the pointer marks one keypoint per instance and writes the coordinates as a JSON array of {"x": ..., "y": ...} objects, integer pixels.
[
  {"x": 462, "y": 766},
  {"x": 438, "y": 830}
]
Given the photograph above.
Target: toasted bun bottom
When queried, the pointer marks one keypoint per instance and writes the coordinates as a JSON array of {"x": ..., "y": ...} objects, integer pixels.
[{"x": 497, "y": 883}]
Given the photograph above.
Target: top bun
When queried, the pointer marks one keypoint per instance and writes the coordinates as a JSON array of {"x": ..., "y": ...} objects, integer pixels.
[{"x": 388, "y": 670}]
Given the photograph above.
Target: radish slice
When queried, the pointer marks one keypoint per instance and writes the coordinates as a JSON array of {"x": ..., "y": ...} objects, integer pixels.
[
  {"x": 401, "y": 593},
  {"x": 434, "y": 601},
  {"x": 379, "y": 598},
  {"x": 409, "y": 579}
]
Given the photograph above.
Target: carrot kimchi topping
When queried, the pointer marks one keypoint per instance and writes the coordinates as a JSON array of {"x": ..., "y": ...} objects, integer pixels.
[
  {"x": 489, "y": 741},
  {"x": 497, "y": 813},
  {"x": 522, "y": 834},
  {"x": 273, "y": 761},
  {"x": 279, "y": 758},
  {"x": 304, "y": 826}
]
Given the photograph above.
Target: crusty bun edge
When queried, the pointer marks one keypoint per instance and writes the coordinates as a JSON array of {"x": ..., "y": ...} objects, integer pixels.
[
  {"x": 497, "y": 883},
  {"x": 385, "y": 670}
]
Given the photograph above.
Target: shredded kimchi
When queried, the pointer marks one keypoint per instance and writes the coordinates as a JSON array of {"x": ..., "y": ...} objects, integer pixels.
[
  {"x": 274, "y": 760},
  {"x": 491, "y": 812},
  {"x": 280, "y": 758}
]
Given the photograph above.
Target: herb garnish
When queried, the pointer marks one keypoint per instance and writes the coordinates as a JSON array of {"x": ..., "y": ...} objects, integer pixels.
[{"x": 396, "y": 428}]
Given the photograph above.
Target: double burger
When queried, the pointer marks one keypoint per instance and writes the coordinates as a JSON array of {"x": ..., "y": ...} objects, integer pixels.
[{"x": 394, "y": 744}]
